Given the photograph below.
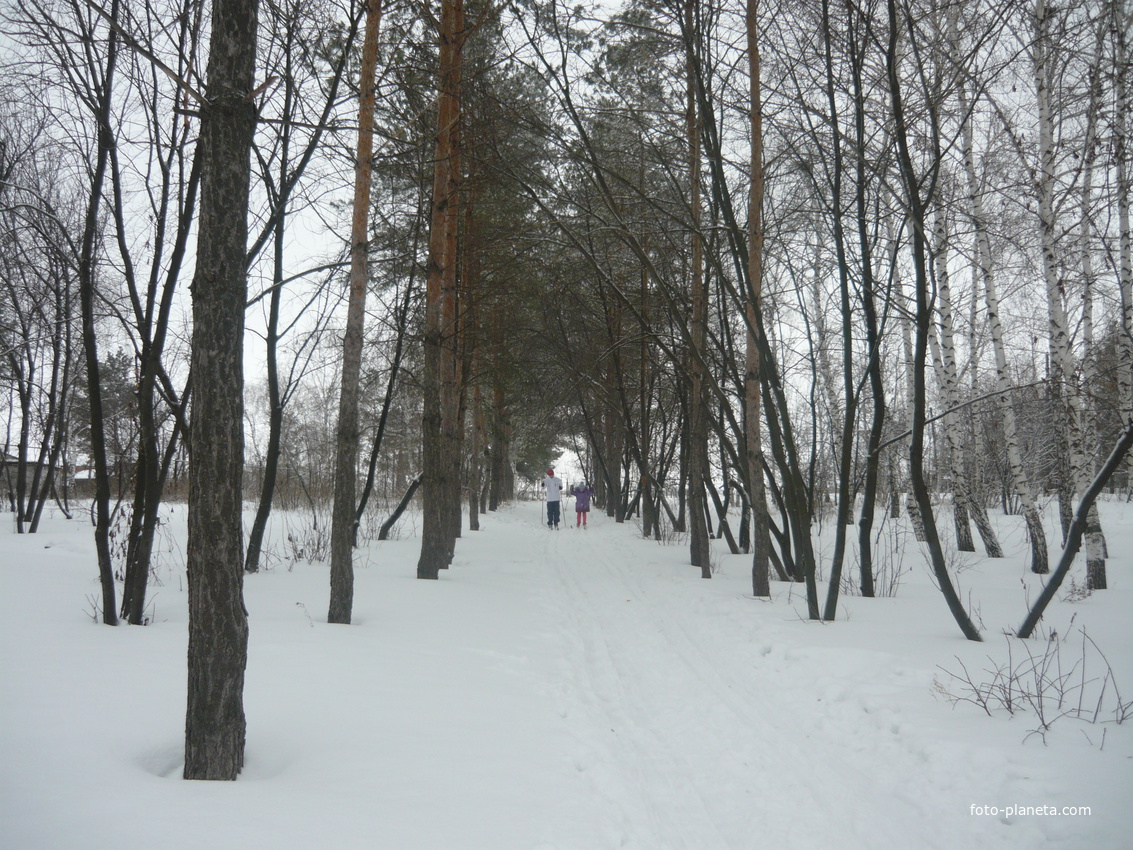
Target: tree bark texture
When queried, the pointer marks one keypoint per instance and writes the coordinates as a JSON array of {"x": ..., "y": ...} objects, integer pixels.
[
  {"x": 1123, "y": 95},
  {"x": 218, "y": 622},
  {"x": 439, "y": 378}
]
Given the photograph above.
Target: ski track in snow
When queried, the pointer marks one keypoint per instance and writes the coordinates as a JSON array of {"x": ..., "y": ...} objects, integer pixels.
[{"x": 697, "y": 757}]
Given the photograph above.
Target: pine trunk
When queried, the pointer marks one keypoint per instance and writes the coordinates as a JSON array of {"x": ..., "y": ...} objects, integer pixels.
[
  {"x": 218, "y": 623},
  {"x": 438, "y": 417}
]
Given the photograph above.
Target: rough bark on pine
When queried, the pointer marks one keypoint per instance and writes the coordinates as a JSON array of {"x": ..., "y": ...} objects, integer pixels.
[
  {"x": 218, "y": 623},
  {"x": 439, "y": 376}
]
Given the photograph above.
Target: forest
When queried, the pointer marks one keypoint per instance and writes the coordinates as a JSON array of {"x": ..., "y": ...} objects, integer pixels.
[{"x": 754, "y": 271}]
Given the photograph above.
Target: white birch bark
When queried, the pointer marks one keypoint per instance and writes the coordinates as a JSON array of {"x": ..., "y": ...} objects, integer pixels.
[
  {"x": 826, "y": 372},
  {"x": 1061, "y": 356},
  {"x": 1083, "y": 470},
  {"x": 965, "y": 505},
  {"x": 1040, "y": 562},
  {"x": 1123, "y": 64},
  {"x": 905, "y": 321}
]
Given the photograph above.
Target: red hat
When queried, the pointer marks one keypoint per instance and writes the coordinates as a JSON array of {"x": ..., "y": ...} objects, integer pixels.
[{"x": 550, "y": 472}]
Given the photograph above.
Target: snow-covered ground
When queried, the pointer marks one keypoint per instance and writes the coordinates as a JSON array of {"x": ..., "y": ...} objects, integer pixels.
[{"x": 575, "y": 690}]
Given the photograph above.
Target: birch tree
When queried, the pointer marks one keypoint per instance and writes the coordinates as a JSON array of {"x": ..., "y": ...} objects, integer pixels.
[
  {"x": 1068, "y": 399},
  {"x": 976, "y": 189}
]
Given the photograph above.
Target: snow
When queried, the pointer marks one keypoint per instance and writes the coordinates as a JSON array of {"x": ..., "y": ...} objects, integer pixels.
[{"x": 569, "y": 690}]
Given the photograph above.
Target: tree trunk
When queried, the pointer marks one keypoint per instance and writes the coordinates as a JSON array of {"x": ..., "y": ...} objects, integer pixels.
[
  {"x": 87, "y": 288},
  {"x": 275, "y": 400},
  {"x": 1123, "y": 95},
  {"x": 873, "y": 331},
  {"x": 1077, "y": 530},
  {"x": 944, "y": 359},
  {"x": 753, "y": 377},
  {"x": 1062, "y": 357},
  {"x": 383, "y": 532},
  {"x": 917, "y": 221},
  {"x": 1096, "y": 549},
  {"x": 347, "y": 433},
  {"x": 1021, "y": 485},
  {"x": 849, "y": 405},
  {"x": 218, "y": 623},
  {"x": 699, "y": 555},
  {"x": 907, "y": 350},
  {"x": 438, "y": 416}
]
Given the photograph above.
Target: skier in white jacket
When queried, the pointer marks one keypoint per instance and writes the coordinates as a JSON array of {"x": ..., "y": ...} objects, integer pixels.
[{"x": 554, "y": 487}]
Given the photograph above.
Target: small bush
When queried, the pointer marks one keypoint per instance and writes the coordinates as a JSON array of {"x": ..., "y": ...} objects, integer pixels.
[{"x": 1047, "y": 684}]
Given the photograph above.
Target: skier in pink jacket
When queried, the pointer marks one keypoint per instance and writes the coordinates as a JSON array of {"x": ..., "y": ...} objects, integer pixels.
[{"x": 582, "y": 493}]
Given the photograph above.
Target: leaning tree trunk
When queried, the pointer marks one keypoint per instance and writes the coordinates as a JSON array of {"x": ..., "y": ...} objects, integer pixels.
[
  {"x": 275, "y": 418},
  {"x": 1077, "y": 530},
  {"x": 218, "y": 623},
  {"x": 275, "y": 398},
  {"x": 917, "y": 220},
  {"x": 347, "y": 433}
]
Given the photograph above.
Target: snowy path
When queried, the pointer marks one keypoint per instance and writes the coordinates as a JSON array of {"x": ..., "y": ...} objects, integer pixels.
[
  {"x": 569, "y": 690},
  {"x": 702, "y": 725},
  {"x": 700, "y": 753}
]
